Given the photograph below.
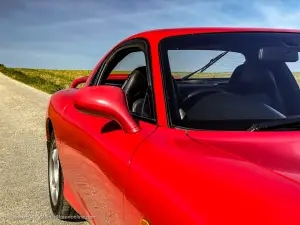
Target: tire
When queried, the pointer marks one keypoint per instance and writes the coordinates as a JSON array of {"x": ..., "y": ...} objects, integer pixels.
[{"x": 59, "y": 205}]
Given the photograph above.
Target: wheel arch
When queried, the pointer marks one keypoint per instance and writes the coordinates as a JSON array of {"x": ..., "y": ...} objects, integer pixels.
[{"x": 49, "y": 130}]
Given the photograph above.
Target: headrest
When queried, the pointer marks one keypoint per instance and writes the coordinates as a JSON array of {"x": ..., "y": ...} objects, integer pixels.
[
  {"x": 135, "y": 84},
  {"x": 251, "y": 72}
]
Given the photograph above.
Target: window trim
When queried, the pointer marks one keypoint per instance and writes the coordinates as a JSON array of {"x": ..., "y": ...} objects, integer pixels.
[
  {"x": 144, "y": 46},
  {"x": 168, "y": 87}
]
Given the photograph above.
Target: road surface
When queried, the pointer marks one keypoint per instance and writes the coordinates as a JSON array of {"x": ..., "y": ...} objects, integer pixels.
[{"x": 23, "y": 157}]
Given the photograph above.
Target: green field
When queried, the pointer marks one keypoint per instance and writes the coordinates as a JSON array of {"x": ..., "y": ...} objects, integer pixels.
[{"x": 51, "y": 81}]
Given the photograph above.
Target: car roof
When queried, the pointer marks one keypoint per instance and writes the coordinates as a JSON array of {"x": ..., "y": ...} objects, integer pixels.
[{"x": 159, "y": 34}]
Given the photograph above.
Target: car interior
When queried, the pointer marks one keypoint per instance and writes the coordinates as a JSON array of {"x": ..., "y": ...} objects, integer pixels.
[
  {"x": 256, "y": 87},
  {"x": 137, "y": 92},
  {"x": 253, "y": 81}
]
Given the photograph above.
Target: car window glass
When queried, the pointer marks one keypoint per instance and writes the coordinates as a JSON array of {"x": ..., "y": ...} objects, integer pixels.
[
  {"x": 295, "y": 69},
  {"x": 183, "y": 62},
  {"x": 129, "y": 63}
]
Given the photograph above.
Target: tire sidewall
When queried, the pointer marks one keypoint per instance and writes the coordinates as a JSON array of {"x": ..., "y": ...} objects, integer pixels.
[{"x": 55, "y": 208}]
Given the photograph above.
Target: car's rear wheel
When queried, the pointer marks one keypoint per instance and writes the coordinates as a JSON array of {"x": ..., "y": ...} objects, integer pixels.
[{"x": 59, "y": 205}]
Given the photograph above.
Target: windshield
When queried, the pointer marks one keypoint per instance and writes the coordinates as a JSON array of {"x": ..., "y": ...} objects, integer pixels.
[
  {"x": 203, "y": 68},
  {"x": 255, "y": 81}
]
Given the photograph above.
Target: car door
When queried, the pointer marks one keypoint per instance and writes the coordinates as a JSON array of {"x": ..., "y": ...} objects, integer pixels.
[{"x": 95, "y": 152}]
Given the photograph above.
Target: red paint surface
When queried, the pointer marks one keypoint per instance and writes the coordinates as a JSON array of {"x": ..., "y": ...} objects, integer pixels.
[
  {"x": 170, "y": 176},
  {"x": 81, "y": 80},
  {"x": 78, "y": 81},
  {"x": 197, "y": 181},
  {"x": 108, "y": 102},
  {"x": 117, "y": 76}
]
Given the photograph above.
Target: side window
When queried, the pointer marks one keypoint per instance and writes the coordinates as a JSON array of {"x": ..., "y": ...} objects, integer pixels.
[
  {"x": 184, "y": 62},
  {"x": 295, "y": 69},
  {"x": 120, "y": 71},
  {"x": 131, "y": 61},
  {"x": 128, "y": 70}
]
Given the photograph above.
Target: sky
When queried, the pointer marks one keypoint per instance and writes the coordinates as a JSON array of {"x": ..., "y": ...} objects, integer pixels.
[{"x": 75, "y": 34}]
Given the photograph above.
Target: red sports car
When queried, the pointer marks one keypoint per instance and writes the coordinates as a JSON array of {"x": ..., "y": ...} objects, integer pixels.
[{"x": 197, "y": 126}]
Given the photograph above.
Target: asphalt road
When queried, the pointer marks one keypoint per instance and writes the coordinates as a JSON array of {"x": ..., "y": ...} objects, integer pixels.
[{"x": 23, "y": 157}]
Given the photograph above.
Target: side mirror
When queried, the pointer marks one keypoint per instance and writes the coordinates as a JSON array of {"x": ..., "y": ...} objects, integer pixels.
[
  {"x": 78, "y": 81},
  {"x": 106, "y": 101}
]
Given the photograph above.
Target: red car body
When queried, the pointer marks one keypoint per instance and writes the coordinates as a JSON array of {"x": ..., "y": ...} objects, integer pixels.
[{"x": 173, "y": 176}]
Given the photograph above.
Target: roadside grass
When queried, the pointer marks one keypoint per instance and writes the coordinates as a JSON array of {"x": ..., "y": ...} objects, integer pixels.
[
  {"x": 48, "y": 81},
  {"x": 51, "y": 81},
  {"x": 297, "y": 77}
]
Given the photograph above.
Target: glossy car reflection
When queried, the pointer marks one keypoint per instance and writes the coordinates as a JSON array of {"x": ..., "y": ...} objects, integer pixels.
[{"x": 147, "y": 140}]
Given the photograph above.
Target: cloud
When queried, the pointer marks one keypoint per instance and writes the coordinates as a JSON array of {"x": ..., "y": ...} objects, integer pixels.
[{"x": 90, "y": 28}]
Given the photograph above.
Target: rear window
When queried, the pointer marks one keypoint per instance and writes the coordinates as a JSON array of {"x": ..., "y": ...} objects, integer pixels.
[{"x": 184, "y": 62}]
